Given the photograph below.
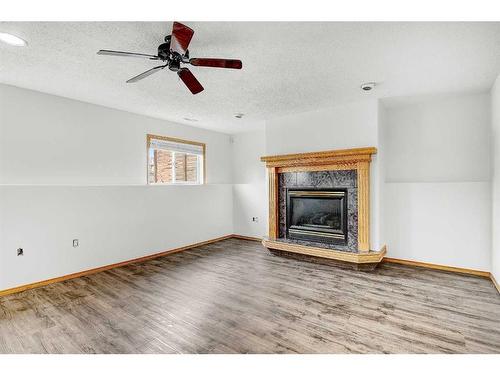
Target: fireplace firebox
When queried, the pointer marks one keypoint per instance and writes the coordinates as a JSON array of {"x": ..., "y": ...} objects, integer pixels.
[{"x": 318, "y": 215}]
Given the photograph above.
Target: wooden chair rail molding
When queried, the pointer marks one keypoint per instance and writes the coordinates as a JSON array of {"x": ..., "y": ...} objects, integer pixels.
[
  {"x": 354, "y": 158},
  {"x": 495, "y": 282}
]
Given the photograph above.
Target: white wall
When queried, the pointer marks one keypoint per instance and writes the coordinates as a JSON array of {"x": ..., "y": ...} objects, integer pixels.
[
  {"x": 342, "y": 126},
  {"x": 439, "y": 139},
  {"x": 112, "y": 223},
  {"x": 495, "y": 121},
  {"x": 249, "y": 184},
  {"x": 99, "y": 154},
  {"x": 440, "y": 223},
  {"x": 437, "y": 180},
  {"x": 50, "y": 140},
  {"x": 380, "y": 182}
]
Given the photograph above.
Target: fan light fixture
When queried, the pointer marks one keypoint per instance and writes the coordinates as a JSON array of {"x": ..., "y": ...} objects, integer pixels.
[{"x": 12, "y": 40}]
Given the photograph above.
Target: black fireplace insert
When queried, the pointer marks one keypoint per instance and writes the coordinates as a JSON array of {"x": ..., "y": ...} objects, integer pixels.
[{"x": 317, "y": 215}]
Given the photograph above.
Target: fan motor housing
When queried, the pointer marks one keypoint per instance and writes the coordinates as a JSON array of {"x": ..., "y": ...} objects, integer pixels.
[
  {"x": 164, "y": 51},
  {"x": 175, "y": 63}
]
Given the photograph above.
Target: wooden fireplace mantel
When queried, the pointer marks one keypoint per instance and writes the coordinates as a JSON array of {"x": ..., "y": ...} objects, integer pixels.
[
  {"x": 336, "y": 159},
  {"x": 349, "y": 159}
]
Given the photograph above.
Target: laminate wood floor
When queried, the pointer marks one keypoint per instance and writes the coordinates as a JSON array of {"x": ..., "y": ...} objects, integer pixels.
[{"x": 235, "y": 297}]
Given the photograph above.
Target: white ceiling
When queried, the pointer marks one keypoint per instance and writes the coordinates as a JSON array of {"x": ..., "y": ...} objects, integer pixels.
[{"x": 287, "y": 66}]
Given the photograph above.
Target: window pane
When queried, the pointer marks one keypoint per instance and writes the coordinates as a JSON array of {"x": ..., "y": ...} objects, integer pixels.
[
  {"x": 192, "y": 168},
  {"x": 172, "y": 161},
  {"x": 151, "y": 166},
  {"x": 163, "y": 166},
  {"x": 180, "y": 167}
]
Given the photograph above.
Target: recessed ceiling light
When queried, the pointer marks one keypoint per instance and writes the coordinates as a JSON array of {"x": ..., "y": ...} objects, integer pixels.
[
  {"x": 12, "y": 40},
  {"x": 239, "y": 115},
  {"x": 368, "y": 86}
]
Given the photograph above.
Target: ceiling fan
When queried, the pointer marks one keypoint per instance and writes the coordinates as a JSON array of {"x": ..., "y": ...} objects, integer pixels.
[{"x": 173, "y": 53}]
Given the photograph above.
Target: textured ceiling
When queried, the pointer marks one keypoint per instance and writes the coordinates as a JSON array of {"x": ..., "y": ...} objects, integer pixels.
[{"x": 287, "y": 67}]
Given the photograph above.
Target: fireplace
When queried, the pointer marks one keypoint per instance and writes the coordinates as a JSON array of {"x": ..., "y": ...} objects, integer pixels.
[
  {"x": 319, "y": 207},
  {"x": 317, "y": 215}
]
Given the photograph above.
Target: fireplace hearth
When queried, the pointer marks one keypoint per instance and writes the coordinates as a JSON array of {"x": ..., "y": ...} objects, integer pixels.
[{"x": 317, "y": 215}]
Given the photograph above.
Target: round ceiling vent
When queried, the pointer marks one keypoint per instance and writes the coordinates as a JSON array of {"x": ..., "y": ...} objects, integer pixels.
[{"x": 368, "y": 86}]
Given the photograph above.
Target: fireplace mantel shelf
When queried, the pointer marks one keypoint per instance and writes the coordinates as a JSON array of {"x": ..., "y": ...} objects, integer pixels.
[
  {"x": 357, "y": 159},
  {"x": 348, "y": 157}
]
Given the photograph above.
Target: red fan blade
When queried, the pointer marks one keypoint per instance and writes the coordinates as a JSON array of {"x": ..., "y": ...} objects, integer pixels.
[
  {"x": 217, "y": 63},
  {"x": 181, "y": 36},
  {"x": 190, "y": 80}
]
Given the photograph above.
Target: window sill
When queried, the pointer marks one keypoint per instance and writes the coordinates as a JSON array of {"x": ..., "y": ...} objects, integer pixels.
[{"x": 175, "y": 184}]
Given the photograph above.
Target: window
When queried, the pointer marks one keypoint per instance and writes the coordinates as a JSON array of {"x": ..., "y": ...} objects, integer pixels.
[{"x": 175, "y": 161}]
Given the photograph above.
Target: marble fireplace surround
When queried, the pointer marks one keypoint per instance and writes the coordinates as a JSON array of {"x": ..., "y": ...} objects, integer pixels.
[
  {"x": 319, "y": 180},
  {"x": 349, "y": 168}
]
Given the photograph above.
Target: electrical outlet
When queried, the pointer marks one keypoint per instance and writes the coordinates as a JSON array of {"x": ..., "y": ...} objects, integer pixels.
[
  {"x": 20, "y": 252},
  {"x": 255, "y": 219},
  {"x": 75, "y": 243}
]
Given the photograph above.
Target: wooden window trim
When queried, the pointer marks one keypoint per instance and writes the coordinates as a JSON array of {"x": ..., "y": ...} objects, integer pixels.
[{"x": 150, "y": 137}]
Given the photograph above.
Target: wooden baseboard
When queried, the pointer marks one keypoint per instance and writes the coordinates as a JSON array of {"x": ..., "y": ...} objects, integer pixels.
[
  {"x": 110, "y": 266},
  {"x": 183, "y": 248},
  {"x": 240, "y": 237},
  {"x": 437, "y": 267},
  {"x": 495, "y": 282}
]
